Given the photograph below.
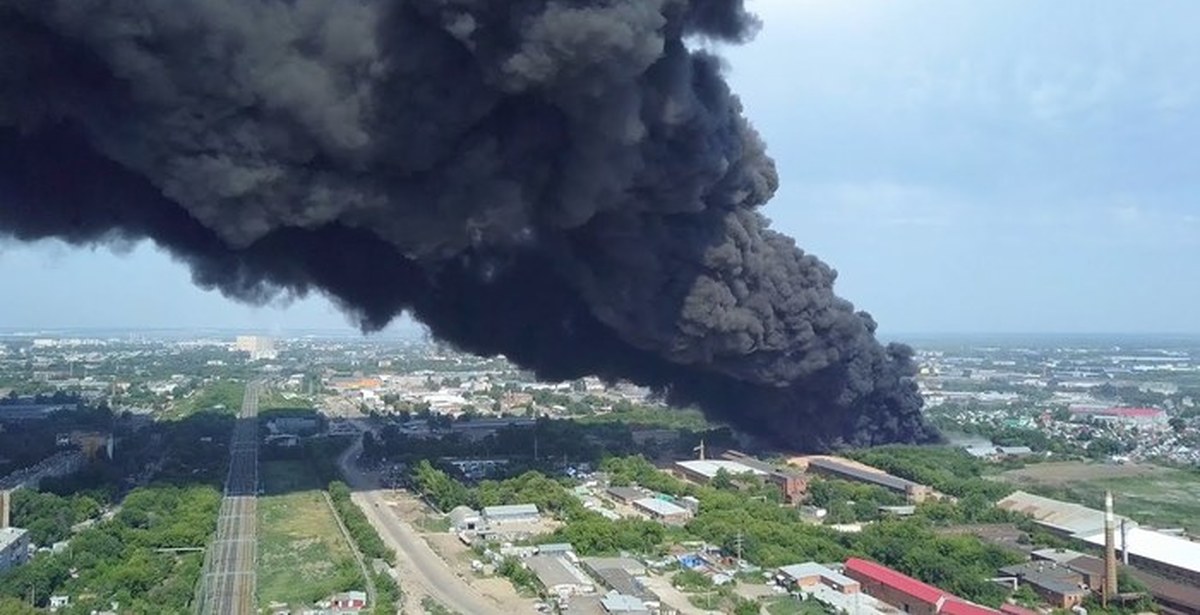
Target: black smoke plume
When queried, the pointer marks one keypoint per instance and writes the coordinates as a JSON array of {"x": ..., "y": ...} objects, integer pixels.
[{"x": 561, "y": 181}]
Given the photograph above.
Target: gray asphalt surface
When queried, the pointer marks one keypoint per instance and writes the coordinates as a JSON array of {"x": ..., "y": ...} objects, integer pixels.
[{"x": 428, "y": 570}]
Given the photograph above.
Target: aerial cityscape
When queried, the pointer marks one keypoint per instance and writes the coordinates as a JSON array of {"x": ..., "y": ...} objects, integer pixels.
[
  {"x": 332, "y": 473},
  {"x": 599, "y": 307}
]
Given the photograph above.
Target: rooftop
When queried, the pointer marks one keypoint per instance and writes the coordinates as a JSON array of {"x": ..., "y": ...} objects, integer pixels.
[
  {"x": 10, "y": 535},
  {"x": 626, "y": 493},
  {"x": 1171, "y": 550},
  {"x": 661, "y": 507},
  {"x": 615, "y": 602},
  {"x": 895, "y": 580},
  {"x": 958, "y": 606},
  {"x": 809, "y": 569},
  {"x": 552, "y": 571},
  {"x": 1054, "y": 584},
  {"x": 709, "y": 467},
  {"x": 858, "y": 472},
  {"x": 1064, "y": 516},
  {"x": 510, "y": 509}
]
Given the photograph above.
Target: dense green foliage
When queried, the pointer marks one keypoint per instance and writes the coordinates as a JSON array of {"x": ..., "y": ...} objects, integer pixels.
[
  {"x": 961, "y": 565},
  {"x": 592, "y": 534},
  {"x": 387, "y": 594},
  {"x": 360, "y": 529},
  {"x": 521, "y": 577},
  {"x": 116, "y": 560},
  {"x": 947, "y": 469},
  {"x": 848, "y": 502},
  {"x": 49, "y": 517}
]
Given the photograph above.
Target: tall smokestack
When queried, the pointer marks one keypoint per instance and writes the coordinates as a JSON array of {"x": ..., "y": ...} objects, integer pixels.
[
  {"x": 5, "y": 505},
  {"x": 1110, "y": 551}
]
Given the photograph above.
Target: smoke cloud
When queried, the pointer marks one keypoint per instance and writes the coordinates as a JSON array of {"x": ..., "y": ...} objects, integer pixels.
[{"x": 561, "y": 181}]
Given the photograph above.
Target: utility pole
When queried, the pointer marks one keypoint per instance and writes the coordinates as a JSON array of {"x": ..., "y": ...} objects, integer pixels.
[{"x": 738, "y": 544}]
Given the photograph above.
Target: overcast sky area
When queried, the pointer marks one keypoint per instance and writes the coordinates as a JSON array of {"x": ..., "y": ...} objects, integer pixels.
[{"x": 966, "y": 167}]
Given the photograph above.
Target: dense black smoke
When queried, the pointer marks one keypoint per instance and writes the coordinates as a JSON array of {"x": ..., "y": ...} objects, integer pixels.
[{"x": 561, "y": 181}]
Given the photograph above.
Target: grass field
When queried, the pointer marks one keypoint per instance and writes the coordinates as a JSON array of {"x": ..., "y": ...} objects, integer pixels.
[
  {"x": 1152, "y": 495},
  {"x": 787, "y": 605},
  {"x": 302, "y": 556},
  {"x": 223, "y": 396}
]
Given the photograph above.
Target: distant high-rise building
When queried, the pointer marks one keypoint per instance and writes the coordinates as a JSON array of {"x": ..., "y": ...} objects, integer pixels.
[{"x": 258, "y": 346}]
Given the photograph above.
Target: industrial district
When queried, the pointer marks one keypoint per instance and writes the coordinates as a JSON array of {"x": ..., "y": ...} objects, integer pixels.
[{"x": 216, "y": 472}]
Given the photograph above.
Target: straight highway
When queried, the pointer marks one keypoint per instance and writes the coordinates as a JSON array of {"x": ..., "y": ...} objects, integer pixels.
[{"x": 228, "y": 585}]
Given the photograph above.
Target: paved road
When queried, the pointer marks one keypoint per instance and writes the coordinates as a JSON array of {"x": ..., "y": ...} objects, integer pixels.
[
  {"x": 229, "y": 581},
  {"x": 419, "y": 563}
]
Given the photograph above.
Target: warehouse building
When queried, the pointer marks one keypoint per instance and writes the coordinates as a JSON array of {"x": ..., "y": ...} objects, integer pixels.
[
  {"x": 512, "y": 513},
  {"x": 792, "y": 484},
  {"x": 906, "y": 593},
  {"x": 804, "y": 576},
  {"x": 559, "y": 576},
  {"x": 1060, "y": 586},
  {"x": 845, "y": 469},
  {"x": 1170, "y": 556},
  {"x": 899, "y": 590},
  {"x": 663, "y": 511},
  {"x": 703, "y": 470},
  {"x": 625, "y": 495}
]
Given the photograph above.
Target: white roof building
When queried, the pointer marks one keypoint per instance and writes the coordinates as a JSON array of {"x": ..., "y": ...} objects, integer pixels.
[
  {"x": 1179, "y": 556},
  {"x": 661, "y": 509},
  {"x": 709, "y": 467}
]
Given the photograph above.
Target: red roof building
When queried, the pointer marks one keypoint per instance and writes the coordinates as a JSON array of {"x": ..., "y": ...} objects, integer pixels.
[
  {"x": 894, "y": 588},
  {"x": 1127, "y": 415},
  {"x": 957, "y": 606},
  {"x": 908, "y": 594}
]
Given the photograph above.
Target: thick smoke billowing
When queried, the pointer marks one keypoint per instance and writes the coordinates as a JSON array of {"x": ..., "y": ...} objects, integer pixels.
[{"x": 561, "y": 181}]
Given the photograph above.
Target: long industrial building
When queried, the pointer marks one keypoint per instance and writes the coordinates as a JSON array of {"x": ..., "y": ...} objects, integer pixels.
[
  {"x": 1171, "y": 556},
  {"x": 846, "y": 469}
]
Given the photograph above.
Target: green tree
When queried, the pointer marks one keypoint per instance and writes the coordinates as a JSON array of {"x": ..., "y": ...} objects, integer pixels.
[{"x": 722, "y": 480}]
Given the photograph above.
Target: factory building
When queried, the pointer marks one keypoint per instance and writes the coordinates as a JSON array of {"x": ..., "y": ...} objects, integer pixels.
[
  {"x": 704, "y": 470},
  {"x": 1060, "y": 586},
  {"x": 1170, "y": 556},
  {"x": 513, "y": 513},
  {"x": 803, "y": 576},
  {"x": 792, "y": 484},
  {"x": 663, "y": 511},
  {"x": 559, "y": 576},
  {"x": 906, "y": 593},
  {"x": 845, "y": 469},
  {"x": 1062, "y": 518}
]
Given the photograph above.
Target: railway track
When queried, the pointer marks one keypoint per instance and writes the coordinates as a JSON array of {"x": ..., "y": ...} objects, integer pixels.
[{"x": 228, "y": 584}]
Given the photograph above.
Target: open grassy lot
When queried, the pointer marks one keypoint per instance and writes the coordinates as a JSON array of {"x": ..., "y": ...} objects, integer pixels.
[
  {"x": 787, "y": 605},
  {"x": 302, "y": 556},
  {"x": 1152, "y": 495},
  {"x": 222, "y": 396}
]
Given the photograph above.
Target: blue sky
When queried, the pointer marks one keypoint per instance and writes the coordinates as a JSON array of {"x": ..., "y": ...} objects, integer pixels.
[{"x": 1001, "y": 166}]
